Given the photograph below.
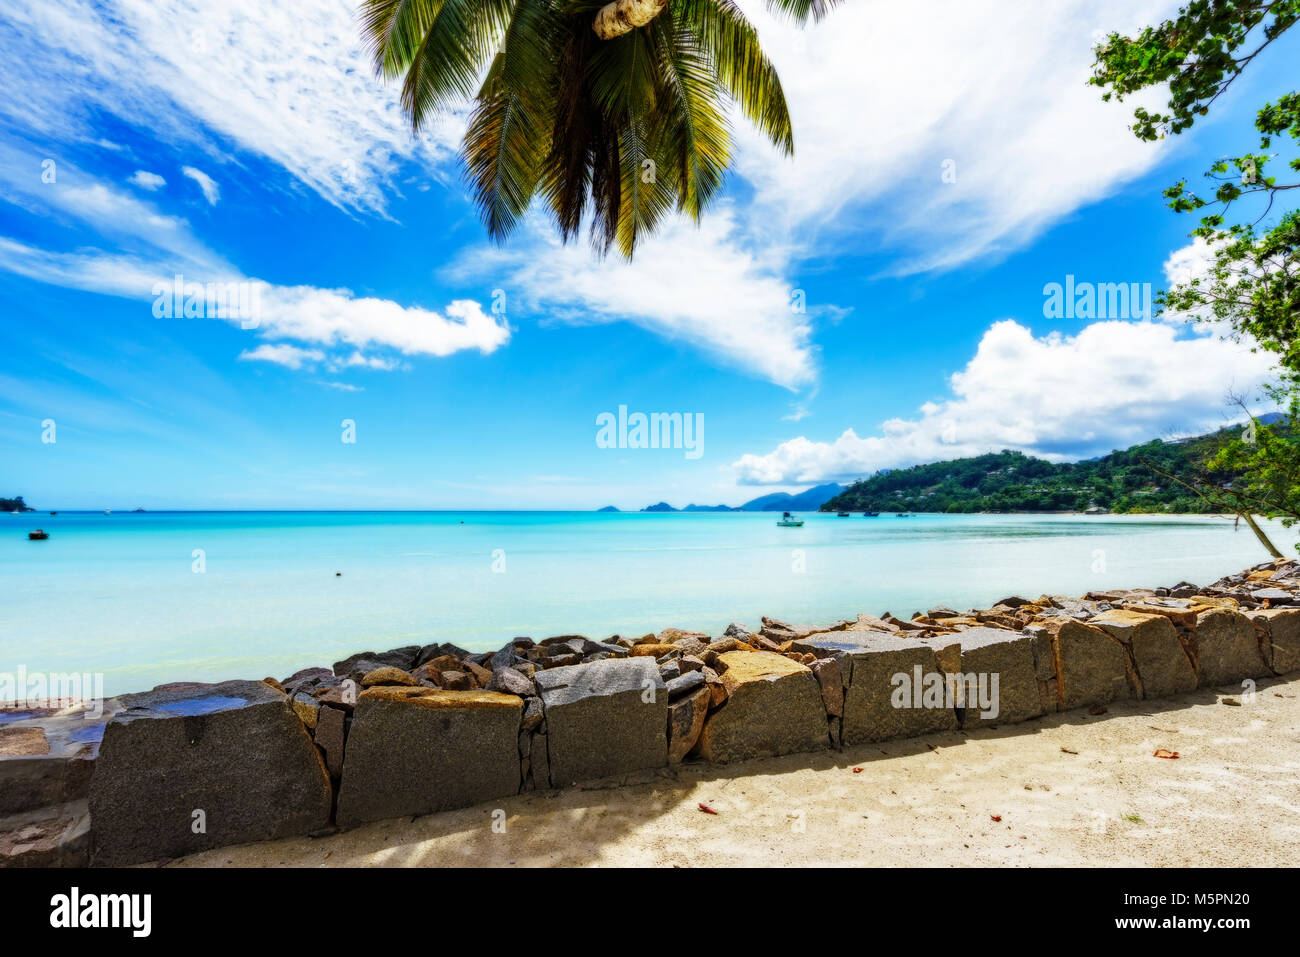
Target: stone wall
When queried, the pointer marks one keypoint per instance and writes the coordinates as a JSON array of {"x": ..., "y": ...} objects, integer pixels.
[{"x": 416, "y": 730}]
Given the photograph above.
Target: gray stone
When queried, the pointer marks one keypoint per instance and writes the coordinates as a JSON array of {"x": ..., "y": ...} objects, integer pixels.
[
  {"x": 308, "y": 679},
  {"x": 1226, "y": 648},
  {"x": 982, "y": 656},
  {"x": 774, "y": 706},
  {"x": 603, "y": 719},
  {"x": 879, "y": 700},
  {"x": 1278, "y": 633},
  {"x": 1163, "y": 667},
  {"x": 235, "y": 751},
  {"x": 1092, "y": 666},
  {"x": 510, "y": 681},
  {"x": 421, "y": 750},
  {"x": 532, "y": 713},
  {"x": 329, "y": 737},
  {"x": 684, "y": 685}
]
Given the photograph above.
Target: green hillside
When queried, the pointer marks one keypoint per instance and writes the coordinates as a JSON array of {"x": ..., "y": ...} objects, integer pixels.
[{"x": 1014, "y": 482}]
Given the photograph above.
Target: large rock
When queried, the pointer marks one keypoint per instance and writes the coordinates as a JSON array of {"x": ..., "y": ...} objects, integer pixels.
[
  {"x": 235, "y": 752},
  {"x": 1163, "y": 667},
  {"x": 1226, "y": 649},
  {"x": 881, "y": 672},
  {"x": 1278, "y": 633},
  {"x": 604, "y": 718},
  {"x": 993, "y": 675},
  {"x": 774, "y": 706},
  {"x": 47, "y": 754},
  {"x": 420, "y": 750},
  {"x": 1092, "y": 667}
]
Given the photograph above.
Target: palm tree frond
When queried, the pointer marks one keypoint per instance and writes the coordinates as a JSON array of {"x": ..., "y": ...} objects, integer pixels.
[
  {"x": 742, "y": 68},
  {"x": 801, "y": 11}
]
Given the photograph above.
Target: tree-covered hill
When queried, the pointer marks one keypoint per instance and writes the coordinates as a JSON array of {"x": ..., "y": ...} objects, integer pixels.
[{"x": 1127, "y": 481}]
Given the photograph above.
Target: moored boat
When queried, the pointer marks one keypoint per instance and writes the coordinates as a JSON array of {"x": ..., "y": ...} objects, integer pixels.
[
  {"x": 789, "y": 521},
  {"x": 37, "y": 536}
]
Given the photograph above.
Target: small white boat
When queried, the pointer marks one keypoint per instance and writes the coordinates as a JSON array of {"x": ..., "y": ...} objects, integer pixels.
[{"x": 789, "y": 521}]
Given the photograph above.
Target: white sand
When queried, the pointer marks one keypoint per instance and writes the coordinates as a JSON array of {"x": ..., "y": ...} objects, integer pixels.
[{"x": 1231, "y": 799}]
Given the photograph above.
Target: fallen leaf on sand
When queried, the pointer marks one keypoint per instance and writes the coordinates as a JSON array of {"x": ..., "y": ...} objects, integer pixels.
[
  {"x": 1162, "y": 753},
  {"x": 995, "y": 817},
  {"x": 1233, "y": 702},
  {"x": 1068, "y": 750},
  {"x": 706, "y": 809},
  {"x": 857, "y": 770}
]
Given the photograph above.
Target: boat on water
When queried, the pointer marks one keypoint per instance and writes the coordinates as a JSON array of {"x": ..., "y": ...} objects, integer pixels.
[
  {"x": 841, "y": 514},
  {"x": 789, "y": 521},
  {"x": 870, "y": 514},
  {"x": 37, "y": 536}
]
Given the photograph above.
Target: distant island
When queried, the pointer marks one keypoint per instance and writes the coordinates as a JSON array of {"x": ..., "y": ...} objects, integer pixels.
[
  {"x": 15, "y": 504},
  {"x": 807, "y": 500},
  {"x": 1131, "y": 480},
  {"x": 607, "y": 508},
  {"x": 1006, "y": 481}
]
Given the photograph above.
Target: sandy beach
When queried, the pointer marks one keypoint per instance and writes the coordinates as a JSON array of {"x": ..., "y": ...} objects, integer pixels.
[{"x": 1068, "y": 789}]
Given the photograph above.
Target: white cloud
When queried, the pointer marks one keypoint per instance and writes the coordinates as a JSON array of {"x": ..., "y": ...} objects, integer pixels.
[
  {"x": 211, "y": 192},
  {"x": 290, "y": 83},
  {"x": 147, "y": 180},
  {"x": 693, "y": 285},
  {"x": 164, "y": 247},
  {"x": 291, "y": 357},
  {"x": 997, "y": 88},
  {"x": 1059, "y": 397}
]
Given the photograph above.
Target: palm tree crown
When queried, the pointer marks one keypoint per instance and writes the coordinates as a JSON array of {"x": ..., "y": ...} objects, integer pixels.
[{"x": 614, "y": 111}]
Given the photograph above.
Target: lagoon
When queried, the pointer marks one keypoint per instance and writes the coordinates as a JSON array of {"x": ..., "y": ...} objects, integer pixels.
[{"x": 146, "y": 598}]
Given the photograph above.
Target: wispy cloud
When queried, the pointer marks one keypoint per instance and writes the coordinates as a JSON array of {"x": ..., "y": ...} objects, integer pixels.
[
  {"x": 163, "y": 247},
  {"x": 211, "y": 192},
  {"x": 147, "y": 180},
  {"x": 283, "y": 354},
  {"x": 292, "y": 84}
]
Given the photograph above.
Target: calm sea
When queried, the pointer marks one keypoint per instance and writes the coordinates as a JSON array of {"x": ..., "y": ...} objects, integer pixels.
[{"x": 156, "y": 597}]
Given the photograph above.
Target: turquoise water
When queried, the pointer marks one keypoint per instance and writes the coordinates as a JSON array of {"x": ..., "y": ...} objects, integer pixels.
[{"x": 118, "y": 594}]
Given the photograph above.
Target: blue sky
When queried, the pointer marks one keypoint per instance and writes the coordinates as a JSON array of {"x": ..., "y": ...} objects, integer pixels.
[{"x": 247, "y": 144}]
